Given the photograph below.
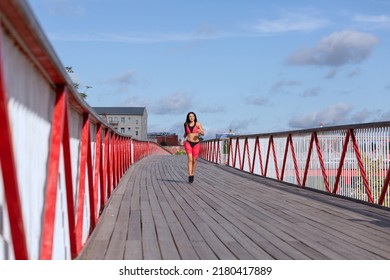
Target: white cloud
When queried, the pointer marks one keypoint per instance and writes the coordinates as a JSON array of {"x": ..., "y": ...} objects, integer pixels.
[
  {"x": 126, "y": 78},
  {"x": 290, "y": 22},
  {"x": 175, "y": 127},
  {"x": 362, "y": 116},
  {"x": 354, "y": 72},
  {"x": 312, "y": 92},
  {"x": 339, "y": 48},
  {"x": 375, "y": 115},
  {"x": 241, "y": 126},
  {"x": 373, "y": 20},
  {"x": 337, "y": 114},
  {"x": 64, "y": 7},
  {"x": 256, "y": 100},
  {"x": 299, "y": 22},
  {"x": 332, "y": 73},
  {"x": 384, "y": 116},
  {"x": 176, "y": 103},
  {"x": 134, "y": 101},
  {"x": 212, "y": 109},
  {"x": 283, "y": 85},
  {"x": 333, "y": 115}
]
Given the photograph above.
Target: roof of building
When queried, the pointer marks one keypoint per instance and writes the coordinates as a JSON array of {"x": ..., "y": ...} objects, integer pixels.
[{"x": 120, "y": 110}]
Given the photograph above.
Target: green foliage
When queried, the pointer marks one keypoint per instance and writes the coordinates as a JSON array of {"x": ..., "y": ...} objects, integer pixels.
[
  {"x": 180, "y": 152},
  {"x": 83, "y": 95},
  {"x": 69, "y": 69}
]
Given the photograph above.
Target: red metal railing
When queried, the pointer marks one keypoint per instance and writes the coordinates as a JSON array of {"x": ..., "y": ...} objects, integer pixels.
[
  {"x": 50, "y": 213},
  {"x": 352, "y": 161}
]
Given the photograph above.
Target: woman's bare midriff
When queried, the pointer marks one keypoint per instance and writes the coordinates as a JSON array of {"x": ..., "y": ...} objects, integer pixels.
[{"x": 193, "y": 137}]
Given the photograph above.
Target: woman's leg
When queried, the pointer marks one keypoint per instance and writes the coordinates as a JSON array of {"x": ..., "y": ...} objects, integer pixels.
[
  {"x": 195, "y": 154},
  {"x": 190, "y": 168},
  {"x": 188, "y": 149},
  {"x": 193, "y": 166},
  {"x": 190, "y": 165}
]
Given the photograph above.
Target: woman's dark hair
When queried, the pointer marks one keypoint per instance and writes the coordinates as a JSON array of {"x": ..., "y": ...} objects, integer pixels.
[{"x": 188, "y": 117}]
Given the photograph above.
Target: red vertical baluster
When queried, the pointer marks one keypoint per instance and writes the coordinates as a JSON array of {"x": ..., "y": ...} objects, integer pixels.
[
  {"x": 69, "y": 184},
  {"x": 82, "y": 176},
  {"x": 52, "y": 174}
]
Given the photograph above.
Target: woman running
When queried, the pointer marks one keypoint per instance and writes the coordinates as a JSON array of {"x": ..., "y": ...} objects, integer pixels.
[{"x": 192, "y": 130}]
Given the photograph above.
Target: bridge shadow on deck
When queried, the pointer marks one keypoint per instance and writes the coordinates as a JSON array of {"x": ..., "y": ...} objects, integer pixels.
[{"x": 227, "y": 214}]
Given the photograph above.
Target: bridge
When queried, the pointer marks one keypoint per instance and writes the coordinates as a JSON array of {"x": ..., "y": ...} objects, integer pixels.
[
  {"x": 228, "y": 214},
  {"x": 71, "y": 187}
]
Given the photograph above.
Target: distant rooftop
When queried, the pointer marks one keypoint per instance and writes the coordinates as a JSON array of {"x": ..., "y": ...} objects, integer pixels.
[{"x": 120, "y": 110}]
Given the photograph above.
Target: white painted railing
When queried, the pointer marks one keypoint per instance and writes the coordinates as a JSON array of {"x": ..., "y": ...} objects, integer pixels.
[
  {"x": 60, "y": 162},
  {"x": 351, "y": 160}
]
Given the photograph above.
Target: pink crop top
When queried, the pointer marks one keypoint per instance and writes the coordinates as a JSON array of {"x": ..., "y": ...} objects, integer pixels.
[{"x": 191, "y": 129}]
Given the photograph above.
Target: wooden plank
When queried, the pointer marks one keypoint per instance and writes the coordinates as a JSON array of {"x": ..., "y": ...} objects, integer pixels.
[
  {"x": 133, "y": 249},
  {"x": 188, "y": 245},
  {"x": 117, "y": 244},
  {"x": 105, "y": 227},
  {"x": 267, "y": 229},
  {"x": 193, "y": 210},
  {"x": 270, "y": 224},
  {"x": 150, "y": 246},
  {"x": 165, "y": 240},
  {"x": 195, "y": 238}
]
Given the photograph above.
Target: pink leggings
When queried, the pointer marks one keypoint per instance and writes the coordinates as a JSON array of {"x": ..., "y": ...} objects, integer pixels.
[{"x": 192, "y": 148}]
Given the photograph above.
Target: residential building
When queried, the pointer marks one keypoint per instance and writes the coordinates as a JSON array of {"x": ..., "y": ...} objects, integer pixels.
[{"x": 131, "y": 121}]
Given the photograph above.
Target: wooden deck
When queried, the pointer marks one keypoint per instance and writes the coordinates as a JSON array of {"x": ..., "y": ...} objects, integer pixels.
[{"x": 226, "y": 214}]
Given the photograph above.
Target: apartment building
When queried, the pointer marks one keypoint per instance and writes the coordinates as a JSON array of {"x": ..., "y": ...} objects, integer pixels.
[{"x": 131, "y": 121}]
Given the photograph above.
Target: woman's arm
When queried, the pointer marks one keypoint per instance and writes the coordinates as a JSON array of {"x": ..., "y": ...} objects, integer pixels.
[
  {"x": 183, "y": 138},
  {"x": 200, "y": 129}
]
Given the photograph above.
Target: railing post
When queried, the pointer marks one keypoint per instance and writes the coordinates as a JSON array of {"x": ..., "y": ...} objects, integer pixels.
[
  {"x": 85, "y": 170},
  {"x": 320, "y": 157},
  {"x": 69, "y": 184},
  {"x": 98, "y": 173},
  {"x": 341, "y": 163},
  {"x": 52, "y": 173},
  {"x": 308, "y": 159},
  {"x": 384, "y": 188},
  {"x": 361, "y": 167},
  {"x": 285, "y": 156}
]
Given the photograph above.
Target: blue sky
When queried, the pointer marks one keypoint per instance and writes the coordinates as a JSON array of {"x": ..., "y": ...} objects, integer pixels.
[{"x": 248, "y": 65}]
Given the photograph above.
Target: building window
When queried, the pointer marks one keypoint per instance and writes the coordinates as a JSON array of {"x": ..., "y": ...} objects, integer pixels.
[
  {"x": 122, "y": 119},
  {"x": 136, "y": 122},
  {"x": 122, "y": 129},
  {"x": 136, "y": 133},
  {"x": 116, "y": 120},
  {"x": 129, "y": 118}
]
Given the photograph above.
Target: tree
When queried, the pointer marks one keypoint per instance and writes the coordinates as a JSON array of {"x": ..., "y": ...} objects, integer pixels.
[{"x": 69, "y": 69}]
